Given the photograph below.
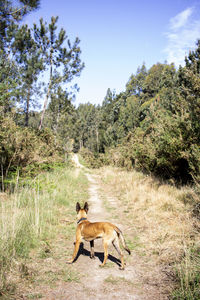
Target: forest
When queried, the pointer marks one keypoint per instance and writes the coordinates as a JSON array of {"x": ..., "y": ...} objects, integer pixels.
[
  {"x": 150, "y": 132},
  {"x": 153, "y": 125}
]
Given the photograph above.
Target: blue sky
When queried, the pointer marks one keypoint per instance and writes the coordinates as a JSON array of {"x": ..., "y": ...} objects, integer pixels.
[{"x": 117, "y": 36}]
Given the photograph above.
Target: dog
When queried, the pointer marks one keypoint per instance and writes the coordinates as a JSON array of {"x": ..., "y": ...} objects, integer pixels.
[{"x": 92, "y": 231}]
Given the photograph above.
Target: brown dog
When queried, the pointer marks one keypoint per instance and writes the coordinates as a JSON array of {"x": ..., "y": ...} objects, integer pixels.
[{"x": 91, "y": 231}]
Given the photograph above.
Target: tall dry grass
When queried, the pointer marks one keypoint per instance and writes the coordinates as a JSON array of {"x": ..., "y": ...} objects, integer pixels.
[
  {"x": 31, "y": 215},
  {"x": 160, "y": 219}
]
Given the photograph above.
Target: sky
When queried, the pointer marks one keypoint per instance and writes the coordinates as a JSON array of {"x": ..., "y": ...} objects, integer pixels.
[{"x": 118, "y": 36}]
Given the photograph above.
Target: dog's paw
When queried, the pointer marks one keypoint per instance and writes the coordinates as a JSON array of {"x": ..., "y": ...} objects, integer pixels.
[
  {"x": 121, "y": 268},
  {"x": 101, "y": 266},
  {"x": 69, "y": 261},
  {"x": 92, "y": 257}
]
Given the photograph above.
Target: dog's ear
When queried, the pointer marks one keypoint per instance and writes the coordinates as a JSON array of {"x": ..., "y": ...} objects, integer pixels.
[
  {"x": 78, "y": 207},
  {"x": 86, "y": 207}
]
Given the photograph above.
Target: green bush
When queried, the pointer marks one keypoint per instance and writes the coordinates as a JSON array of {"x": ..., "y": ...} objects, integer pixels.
[
  {"x": 25, "y": 151},
  {"x": 163, "y": 146},
  {"x": 93, "y": 160}
]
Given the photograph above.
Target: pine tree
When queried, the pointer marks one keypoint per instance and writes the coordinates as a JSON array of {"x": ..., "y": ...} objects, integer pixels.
[
  {"x": 12, "y": 12},
  {"x": 59, "y": 106},
  {"x": 61, "y": 57},
  {"x": 30, "y": 61},
  {"x": 10, "y": 84}
]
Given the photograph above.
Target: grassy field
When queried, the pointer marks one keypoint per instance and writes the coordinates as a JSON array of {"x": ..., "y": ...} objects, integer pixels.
[
  {"x": 31, "y": 217},
  {"x": 162, "y": 226},
  {"x": 37, "y": 226}
]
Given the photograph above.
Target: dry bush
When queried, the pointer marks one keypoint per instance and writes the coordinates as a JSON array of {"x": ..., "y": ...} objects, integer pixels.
[
  {"x": 163, "y": 225},
  {"x": 158, "y": 213}
]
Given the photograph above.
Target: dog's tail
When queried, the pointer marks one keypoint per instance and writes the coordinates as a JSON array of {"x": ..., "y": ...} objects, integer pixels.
[{"x": 121, "y": 237}]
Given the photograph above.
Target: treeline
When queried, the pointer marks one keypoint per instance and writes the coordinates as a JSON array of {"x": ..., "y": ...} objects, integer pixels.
[
  {"x": 35, "y": 63},
  {"x": 153, "y": 126}
]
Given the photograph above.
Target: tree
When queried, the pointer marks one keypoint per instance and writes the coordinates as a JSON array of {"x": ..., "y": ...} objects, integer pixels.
[
  {"x": 135, "y": 85},
  {"x": 129, "y": 117},
  {"x": 59, "y": 106},
  {"x": 11, "y": 13},
  {"x": 61, "y": 57},
  {"x": 30, "y": 61},
  {"x": 10, "y": 84},
  {"x": 87, "y": 127}
]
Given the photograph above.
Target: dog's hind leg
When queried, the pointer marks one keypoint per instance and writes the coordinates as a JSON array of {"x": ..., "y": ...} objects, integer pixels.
[
  {"x": 77, "y": 245},
  {"x": 105, "y": 246},
  {"x": 92, "y": 249},
  {"x": 76, "y": 248},
  {"x": 116, "y": 245}
]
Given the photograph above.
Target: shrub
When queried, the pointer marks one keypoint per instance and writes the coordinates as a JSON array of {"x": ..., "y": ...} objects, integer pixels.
[
  {"x": 93, "y": 160},
  {"x": 163, "y": 146},
  {"x": 25, "y": 151}
]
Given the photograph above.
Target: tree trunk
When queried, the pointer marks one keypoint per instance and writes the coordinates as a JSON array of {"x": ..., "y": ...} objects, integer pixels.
[
  {"x": 27, "y": 108},
  {"x": 48, "y": 92},
  {"x": 44, "y": 107},
  {"x": 81, "y": 144},
  {"x": 97, "y": 138}
]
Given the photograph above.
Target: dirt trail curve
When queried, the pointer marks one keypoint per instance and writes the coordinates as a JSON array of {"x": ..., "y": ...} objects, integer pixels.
[{"x": 134, "y": 283}]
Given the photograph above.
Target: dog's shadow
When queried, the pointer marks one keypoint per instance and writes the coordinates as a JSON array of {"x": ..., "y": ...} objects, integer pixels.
[{"x": 99, "y": 255}]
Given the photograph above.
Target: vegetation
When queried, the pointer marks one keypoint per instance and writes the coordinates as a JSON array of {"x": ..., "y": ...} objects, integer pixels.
[
  {"x": 25, "y": 55},
  {"x": 160, "y": 108},
  {"x": 153, "y": 126},
  {"x": 160, "y": 224},
  {"x": 30, "y": 220}
]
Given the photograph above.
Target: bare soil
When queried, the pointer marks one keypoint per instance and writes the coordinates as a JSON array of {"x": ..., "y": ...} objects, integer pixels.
[{"x": 142, "y": 278}]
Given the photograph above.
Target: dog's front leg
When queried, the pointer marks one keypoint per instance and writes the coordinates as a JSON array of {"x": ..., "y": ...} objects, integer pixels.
[
  {"x": 92, "y": 249},
  {"x": 76, "y": 248}
]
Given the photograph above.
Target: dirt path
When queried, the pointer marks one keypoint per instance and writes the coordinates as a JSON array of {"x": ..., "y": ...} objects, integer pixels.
[
  {"x": 50, "y": 278},
  {"x": 140, "y": 280},
  {"x": 76, "y": 162}
]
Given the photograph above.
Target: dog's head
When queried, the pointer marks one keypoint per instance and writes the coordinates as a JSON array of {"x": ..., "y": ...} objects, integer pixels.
[{"x": 82, "y": 212}]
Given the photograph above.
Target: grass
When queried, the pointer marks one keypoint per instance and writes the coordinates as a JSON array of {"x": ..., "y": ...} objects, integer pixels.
[
  {"x": 116, "y": 280},
  {"x": 81, "y": 160},
  {"x": 188, "y": 275},
  {"x": 160, "y": 224},
  {"x": 34, "y": 296},
  {"x": 71, "y": 275},
  {"x": 32, "y": 217}
]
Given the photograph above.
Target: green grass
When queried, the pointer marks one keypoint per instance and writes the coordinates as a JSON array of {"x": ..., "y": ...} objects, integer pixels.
[
  {"x": 188, "y": 274},
  {"x": 31, "y": 216},
  {"x": 71, "y": 276},
  {"x": 34, "y": 296},
  {"x": 116, "y": 280},
  {"x": 134, "y": 243}
]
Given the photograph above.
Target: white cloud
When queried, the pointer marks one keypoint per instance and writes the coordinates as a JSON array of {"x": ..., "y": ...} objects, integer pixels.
[
  {"x": 183, "y": 33},
  {"x": 181, "y": 19}
]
